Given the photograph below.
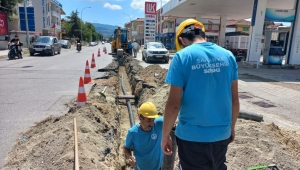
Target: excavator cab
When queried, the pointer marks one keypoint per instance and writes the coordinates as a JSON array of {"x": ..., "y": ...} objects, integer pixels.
[{"x": 120, "y": 40}]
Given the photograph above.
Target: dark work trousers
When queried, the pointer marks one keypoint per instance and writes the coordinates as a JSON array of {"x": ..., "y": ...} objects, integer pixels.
[
  {"x": 130, "y": 51},
  {"x": 202, "y": 155}
]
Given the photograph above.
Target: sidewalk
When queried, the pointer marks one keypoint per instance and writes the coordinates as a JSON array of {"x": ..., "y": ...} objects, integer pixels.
[
  {"x": 274, "y": 93},
  {"x": 3, "y": 53}
]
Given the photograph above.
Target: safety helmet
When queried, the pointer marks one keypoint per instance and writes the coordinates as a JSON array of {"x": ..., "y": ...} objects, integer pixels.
[
  {"x": 148, "y": 110},
  {"x": 185, "y": 26}
]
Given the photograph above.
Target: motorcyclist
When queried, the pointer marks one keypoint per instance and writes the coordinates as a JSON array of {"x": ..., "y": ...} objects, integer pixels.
[
  {"x": 78, "y": 41},
  {"x": 17, "y": 43}
]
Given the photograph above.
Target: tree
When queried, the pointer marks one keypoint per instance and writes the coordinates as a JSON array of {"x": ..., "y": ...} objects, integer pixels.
[
  {"x": 8, "y": 6},
  {"x": 74, "y": 22}
]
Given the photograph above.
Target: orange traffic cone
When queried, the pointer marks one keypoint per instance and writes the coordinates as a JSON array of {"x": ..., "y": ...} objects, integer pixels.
[
  {"x": 93, "y": 55},
  {"x": 99, "y": 55},
  {"x": 87, "y": 74},
  {"x": 93, "y": 63},
  {"x": 81, "y": 98}
]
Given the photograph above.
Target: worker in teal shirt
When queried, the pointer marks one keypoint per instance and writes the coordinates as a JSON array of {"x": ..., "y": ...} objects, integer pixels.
[
  {"x": 145, "y": 138},
  {"x": 130, "y": 47}
]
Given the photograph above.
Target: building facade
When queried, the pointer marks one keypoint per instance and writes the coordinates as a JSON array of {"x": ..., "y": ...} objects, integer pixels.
[
  {"x": 136, "y": 30},
  {"x": 43, "y": 16}
]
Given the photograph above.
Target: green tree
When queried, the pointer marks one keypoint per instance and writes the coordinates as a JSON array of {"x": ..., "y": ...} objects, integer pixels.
[
  {"x": 8, "y": 6},
  {"x": 74, "y": 21}
]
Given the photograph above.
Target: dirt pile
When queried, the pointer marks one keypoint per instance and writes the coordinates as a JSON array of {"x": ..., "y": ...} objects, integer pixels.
[{"x": 50, "y": 144}]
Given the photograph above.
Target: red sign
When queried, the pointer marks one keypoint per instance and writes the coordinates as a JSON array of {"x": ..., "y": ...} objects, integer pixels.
[
  {"x": 209, "y": 26},
  {"x": 150, "y": 7},
  {"x": 3, "y": 24}
]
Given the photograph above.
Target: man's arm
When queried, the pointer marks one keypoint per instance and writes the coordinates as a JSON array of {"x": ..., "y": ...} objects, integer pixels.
[
  {"x": 235, "y": 107},
  {"x": 129, "y": 156},
  {"x": 171, "y": 112},
  {"x": 127, "y": 152},
  {"x": 172, "y": 109}
]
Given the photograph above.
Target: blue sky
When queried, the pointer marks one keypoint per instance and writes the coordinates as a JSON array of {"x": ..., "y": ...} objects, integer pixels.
[{"x": 107, "y": 11}]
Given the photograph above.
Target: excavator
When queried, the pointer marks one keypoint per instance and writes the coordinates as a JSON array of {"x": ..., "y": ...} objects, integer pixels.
[
  {"x": 119, "y": 40},
  {"x": 119, "y": 44}
]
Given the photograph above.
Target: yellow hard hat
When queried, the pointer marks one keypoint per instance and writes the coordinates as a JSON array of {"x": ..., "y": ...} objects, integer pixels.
[
  {"x": 182, "y": 26},
  {"x": 148, "y": 110}
]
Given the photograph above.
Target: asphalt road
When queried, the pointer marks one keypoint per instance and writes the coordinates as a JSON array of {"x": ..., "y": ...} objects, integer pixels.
[{"x": 36, "y": 87}]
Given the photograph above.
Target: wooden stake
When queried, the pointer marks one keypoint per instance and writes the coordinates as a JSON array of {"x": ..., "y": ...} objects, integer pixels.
[
  {"x": 76, "y": 145},
  {"x": 104, "y": 89}
]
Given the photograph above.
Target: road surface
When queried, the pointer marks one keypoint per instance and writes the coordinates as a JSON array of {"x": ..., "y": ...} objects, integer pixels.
[{"x": 36, "y": 87}]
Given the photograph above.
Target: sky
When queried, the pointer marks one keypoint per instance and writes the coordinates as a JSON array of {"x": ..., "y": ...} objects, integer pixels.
[
  {"x": 107, "y": 11},
  {"x": 110, "y": 12}
]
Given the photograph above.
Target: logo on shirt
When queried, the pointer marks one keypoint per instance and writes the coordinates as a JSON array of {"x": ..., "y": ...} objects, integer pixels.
[{"x": 153, "y": 136}]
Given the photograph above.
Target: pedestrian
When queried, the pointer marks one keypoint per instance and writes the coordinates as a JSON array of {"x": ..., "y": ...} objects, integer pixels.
[
  {"x": 130, "y": 47},
  {"x": 135, "y": 47},
  {"x": 145, "y": 138},
  {"x": 204, "y": 95}
]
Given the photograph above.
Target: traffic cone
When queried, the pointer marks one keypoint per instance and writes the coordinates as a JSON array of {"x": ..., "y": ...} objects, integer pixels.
[
  {"x": 93, "y": 63},
  {"x": 99, "y": 55},
  {"x": 104, "y": 50},
  {"x": 87, "y": 74},
  {"x": 81, "y": 98}
]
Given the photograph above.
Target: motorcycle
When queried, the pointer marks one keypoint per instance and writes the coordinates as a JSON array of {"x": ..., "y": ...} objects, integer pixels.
[
  {"x": 15, "y": 50},
  {"x": 78, "y": 47}
]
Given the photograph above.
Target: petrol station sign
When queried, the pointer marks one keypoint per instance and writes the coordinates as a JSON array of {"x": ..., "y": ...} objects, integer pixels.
[{"x": 150, "y": 21}]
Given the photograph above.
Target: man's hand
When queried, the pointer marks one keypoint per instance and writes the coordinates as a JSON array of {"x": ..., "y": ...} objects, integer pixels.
[
  {"x": 132, "y": 161},
  {"x": 232, "y": 136},
  {"x": 166, "y": 145}
]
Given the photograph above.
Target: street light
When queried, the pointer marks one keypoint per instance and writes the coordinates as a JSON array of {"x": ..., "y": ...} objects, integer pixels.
[
  {"x": 81, "y": 22},
  {"x": 131, "y": 25}
]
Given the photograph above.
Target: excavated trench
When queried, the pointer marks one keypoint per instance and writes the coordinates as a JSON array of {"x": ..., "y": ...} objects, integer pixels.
[{"x": 104, "y": 121}]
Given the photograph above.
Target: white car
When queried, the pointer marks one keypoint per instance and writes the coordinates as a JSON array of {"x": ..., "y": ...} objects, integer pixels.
[
  {"x": 155, "y": 51},
  {"x": 103, "y": 42}
]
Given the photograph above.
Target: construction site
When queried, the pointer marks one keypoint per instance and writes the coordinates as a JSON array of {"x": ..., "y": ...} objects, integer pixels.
[{"x": 94, "y": 133}]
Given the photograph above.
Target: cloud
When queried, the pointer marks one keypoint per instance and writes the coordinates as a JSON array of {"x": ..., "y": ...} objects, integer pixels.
[
  {"x": 140, "y": 4},
  {"x": 112, "y": 7}
]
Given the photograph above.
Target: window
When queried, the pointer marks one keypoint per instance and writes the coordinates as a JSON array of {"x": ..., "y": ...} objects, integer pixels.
[{"x": 245, "y": 28}]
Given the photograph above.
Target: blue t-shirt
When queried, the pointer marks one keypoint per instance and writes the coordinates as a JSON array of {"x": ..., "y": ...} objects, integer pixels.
[
  {"x": 147, "y": 149},
  {"x": 205, "y": 72},
  {"x": 129, "y": 45}
]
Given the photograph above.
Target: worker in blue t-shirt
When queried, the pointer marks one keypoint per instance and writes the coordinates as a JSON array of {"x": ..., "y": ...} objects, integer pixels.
[
  {"x": 145, "y": 138},
  {"x": 204, "y": 92},
  {"x": 130, "y": 47}
]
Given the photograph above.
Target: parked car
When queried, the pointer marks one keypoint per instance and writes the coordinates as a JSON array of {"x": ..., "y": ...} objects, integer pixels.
[
  {"x": 65, "y": 43},
  {"x": 93, "y": 43},
  {"x": 103, "y": 42},
  {"x": 155, "y": 51},
  {"x": 45, "y": 45}
]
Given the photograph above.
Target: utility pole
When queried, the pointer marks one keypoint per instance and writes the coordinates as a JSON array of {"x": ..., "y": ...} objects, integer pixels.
[
  {"x": 26, "y": 19},
  {"x": 160, "y": 25},
  {"x": 81, "y": 23}
]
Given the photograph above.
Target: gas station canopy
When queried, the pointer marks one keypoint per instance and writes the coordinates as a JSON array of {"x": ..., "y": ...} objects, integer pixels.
[{"x": 232, "y": 9}]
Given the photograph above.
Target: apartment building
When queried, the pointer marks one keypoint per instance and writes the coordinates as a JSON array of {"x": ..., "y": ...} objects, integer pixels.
[
  {"x": 136, "y": 30},
  {"x": 44, "y": 18}
]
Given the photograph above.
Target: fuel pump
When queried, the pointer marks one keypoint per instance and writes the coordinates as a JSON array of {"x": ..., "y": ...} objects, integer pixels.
[{"x": 274, "y": 47}]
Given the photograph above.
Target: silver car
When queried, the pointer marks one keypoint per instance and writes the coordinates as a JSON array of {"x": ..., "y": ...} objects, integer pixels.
[{"x": 155, "y": 51}]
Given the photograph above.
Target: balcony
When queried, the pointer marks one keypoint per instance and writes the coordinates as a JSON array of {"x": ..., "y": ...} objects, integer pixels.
[
  {"x": 168, "y": 30},
  {"x": 55, "y": 14}
]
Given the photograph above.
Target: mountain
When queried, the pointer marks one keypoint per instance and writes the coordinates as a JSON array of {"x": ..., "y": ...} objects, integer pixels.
[{"x": 105, "y": 29}]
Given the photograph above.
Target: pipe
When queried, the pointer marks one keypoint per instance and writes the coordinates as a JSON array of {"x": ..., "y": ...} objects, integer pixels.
[{"x": 128, "y": 103}]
